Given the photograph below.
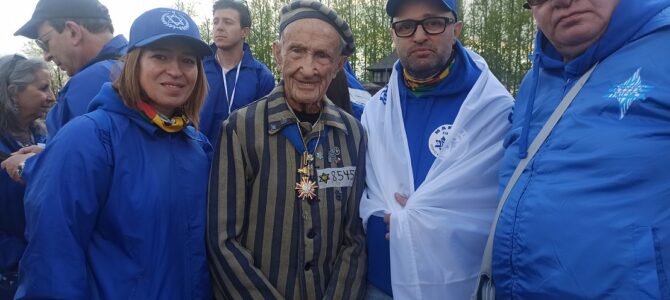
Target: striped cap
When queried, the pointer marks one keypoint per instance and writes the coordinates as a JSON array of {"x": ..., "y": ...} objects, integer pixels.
[{"x": 311, "y": 9}]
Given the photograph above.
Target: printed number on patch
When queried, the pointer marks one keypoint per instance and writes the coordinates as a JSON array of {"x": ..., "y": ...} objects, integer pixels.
[{"x": 336, "y": 177}]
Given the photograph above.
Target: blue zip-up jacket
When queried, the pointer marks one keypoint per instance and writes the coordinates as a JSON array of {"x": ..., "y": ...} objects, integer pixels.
[
  {"x": 12, "y": 220},
  {"x": 589, "y": 218},
  {"x": 75, "y": 96},
  {"x": 254, "y": 82},
  {"x": 116, "y": 210}
]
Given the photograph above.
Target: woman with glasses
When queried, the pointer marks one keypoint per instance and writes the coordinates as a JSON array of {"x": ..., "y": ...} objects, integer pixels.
[
  {"x": 115, "y": 207},
  {"x": 25, "y": 98}
]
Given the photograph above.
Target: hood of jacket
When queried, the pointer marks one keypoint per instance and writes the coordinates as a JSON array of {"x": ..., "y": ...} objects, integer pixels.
[{"x": 628, "y": 22}]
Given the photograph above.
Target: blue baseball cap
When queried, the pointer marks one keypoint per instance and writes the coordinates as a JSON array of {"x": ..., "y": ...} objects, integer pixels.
[
  {"x": 160, "y": 23},
  {"x": 392, "y": 6}
]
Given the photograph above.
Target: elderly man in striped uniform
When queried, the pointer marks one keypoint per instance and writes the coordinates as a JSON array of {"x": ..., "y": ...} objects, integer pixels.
[{"x": 288, "y": 176}]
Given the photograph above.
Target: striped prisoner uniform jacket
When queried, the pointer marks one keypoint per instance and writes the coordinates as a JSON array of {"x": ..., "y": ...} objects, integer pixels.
[{"x": 264, "y": 242}]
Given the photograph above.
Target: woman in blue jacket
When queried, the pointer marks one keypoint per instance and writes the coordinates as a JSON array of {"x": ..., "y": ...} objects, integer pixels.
[
  {"x": 116, "y": 206},
  {"x": 25, "y": 98}
]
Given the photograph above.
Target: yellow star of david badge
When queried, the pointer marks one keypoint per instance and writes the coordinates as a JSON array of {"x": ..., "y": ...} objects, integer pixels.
[{"x": 324, "y": 177}]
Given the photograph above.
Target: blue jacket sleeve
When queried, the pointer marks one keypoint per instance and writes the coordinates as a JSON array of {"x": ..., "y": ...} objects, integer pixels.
[
  {"x": 68, "y": 187},
  {"x": 265, "y": 84}
]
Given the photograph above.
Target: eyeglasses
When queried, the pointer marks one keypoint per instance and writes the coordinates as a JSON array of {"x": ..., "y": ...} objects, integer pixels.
[
  {"x": 432, "y": 26},
  {"x": 530, "y": 3},
  {"x": 44, "y": 45}
]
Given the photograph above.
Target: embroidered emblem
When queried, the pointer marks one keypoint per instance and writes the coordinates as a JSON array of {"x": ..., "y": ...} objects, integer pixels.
[
  {"x": 174, "y": 21},
  {"x": 319, "y": 155},
  {"x": 438, "y": 139},
  {"x": 336, "y": 177},
  {"x": 628, "y": 92},
  {"x": 334, "y": 154}
]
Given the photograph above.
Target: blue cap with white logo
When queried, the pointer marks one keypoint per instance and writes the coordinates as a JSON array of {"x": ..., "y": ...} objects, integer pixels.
[
  {"x": 392, "y": 6},
  {"x": 160, "y": 23}
]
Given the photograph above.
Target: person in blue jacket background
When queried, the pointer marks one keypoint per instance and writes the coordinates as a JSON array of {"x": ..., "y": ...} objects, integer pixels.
[
  {"x": 116, "y": 207},
  {"x": 77, "y": 36},
  {"x": 25, "y": 98},
  {"x": 246, "y": 79},
  {"x": 589, "y": 217}
]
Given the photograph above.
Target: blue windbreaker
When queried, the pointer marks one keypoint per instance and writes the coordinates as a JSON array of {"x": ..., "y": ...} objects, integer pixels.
[
  {"x": 255, "y": 81},
  {"x": 116, "y": 210},
  {"x": 12, "y": 220},
  {"x": 589, "y": 218},
  {"x": 75, "y": 96}
]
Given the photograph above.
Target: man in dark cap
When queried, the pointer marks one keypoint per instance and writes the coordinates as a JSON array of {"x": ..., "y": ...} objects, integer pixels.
[
  {"x": 435, "y": 141},
  {"x": 288, "y": 175},
  {"x": 77, "y": 35}
]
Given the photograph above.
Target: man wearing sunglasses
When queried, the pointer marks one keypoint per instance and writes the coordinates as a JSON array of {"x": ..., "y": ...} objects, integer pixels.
[
  {"x": 435, "y": 139},
  {"x": 77, "y": 35},
  {"x": 589, "y": 215}
]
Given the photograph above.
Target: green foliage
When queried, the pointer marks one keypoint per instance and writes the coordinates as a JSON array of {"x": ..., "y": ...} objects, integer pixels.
[{"x": 502, "y": 32}]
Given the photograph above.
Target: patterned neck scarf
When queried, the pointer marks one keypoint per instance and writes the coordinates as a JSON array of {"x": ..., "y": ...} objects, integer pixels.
[
  {"x": 422, "y": 86},
  {"x": 171, "y": 125}
]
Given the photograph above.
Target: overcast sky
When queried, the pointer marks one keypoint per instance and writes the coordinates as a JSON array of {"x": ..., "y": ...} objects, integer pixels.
[{"x": 16, "y": 13}]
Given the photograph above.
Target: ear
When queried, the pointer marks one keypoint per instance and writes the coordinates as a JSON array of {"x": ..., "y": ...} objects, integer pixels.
[
  {"x": 340, "y": 63},
  {"x": 74, "y": 32},
  {"x": 276, "y": 52},
  {"x": 458, "y": 27},
  {"x": 393, "y": 38},
  {"x": 245, "y": 32}
]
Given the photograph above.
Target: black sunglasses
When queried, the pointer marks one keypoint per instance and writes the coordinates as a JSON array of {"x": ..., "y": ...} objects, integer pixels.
[{"x": 432, "y": 26}]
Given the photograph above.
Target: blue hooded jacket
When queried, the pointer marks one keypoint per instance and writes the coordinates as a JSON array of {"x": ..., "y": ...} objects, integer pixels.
[
  {"x": 589, "y": 217},
  {"x": 254, "y": 82},
  {"x": 75, "y": 96},
  {"x": 116, "y": 210}
]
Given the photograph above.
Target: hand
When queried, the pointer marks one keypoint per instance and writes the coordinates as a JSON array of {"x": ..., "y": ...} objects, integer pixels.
[
  {"x": 11, "y": 165},
  {"x": 402, "y": 200},
  {"x": 30, "y": 149}
]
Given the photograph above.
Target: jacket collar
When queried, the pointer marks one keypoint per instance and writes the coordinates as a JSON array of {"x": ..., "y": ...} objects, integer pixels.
[{"x": 280, "y": 116}]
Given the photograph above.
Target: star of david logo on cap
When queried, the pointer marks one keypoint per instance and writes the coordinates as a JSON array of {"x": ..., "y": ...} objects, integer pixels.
[
  {"x": 629, "y": 92},
  {"x": 175, "y": 21}
]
